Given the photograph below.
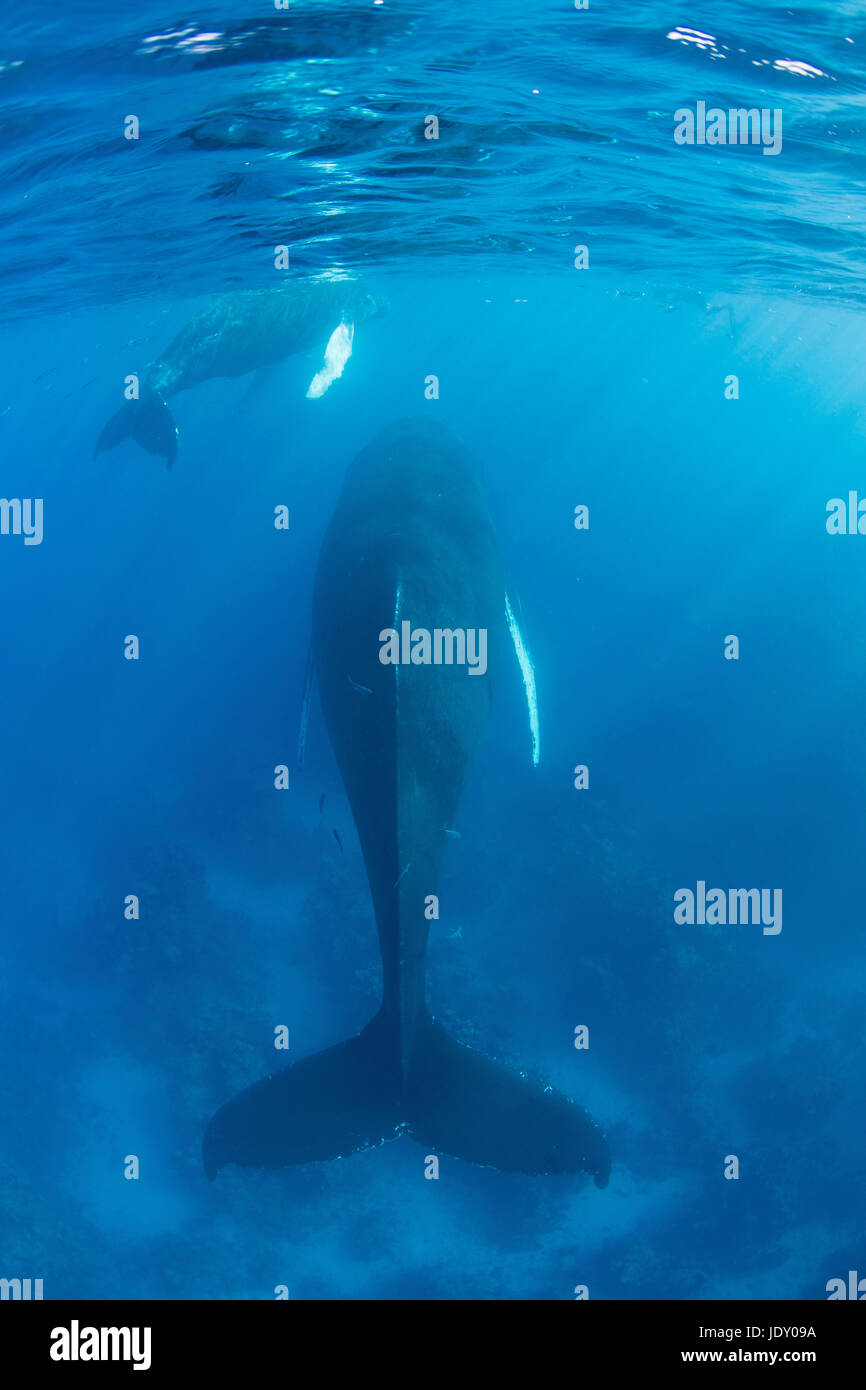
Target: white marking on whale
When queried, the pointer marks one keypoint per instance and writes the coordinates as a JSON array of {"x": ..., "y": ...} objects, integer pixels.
[
  {"x": 337, "y": 354},
  {"x": 527, "y": 670}
]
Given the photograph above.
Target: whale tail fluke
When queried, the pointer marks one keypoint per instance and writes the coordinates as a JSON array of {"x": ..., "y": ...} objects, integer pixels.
[
  {"x": 326, "y": 1106},
  {"x": 148, "y": 421},
  {"x": 456, "y": 1101},
  {"x": 472, "y": 1107}
]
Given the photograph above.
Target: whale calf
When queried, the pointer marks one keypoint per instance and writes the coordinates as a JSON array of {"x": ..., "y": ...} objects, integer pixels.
[
  {"x": 410, "y": 541},
  {"x": 239, "y": 333}
]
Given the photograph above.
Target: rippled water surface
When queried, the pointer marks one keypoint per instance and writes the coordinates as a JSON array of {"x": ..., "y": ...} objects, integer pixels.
[{"x": 307, "y": 127}]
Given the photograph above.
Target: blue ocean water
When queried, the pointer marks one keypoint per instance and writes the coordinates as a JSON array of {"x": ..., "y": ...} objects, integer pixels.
[{"x": 607, "y": 387}]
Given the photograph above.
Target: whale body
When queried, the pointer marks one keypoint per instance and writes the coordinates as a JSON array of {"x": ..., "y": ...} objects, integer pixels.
[
  {"x": 238, "y": 333},
  {"x": 410, "y": 540}
]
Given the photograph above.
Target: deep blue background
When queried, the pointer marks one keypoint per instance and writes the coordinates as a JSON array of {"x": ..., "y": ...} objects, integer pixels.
[{"x": 603, "y": 387}]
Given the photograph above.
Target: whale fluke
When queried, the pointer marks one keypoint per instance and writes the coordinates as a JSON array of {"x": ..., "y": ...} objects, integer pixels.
[
  {"x": 148, "y": 421},
  {"x": 465, "y": 1104},
  {"x": 326, "y": 1106},
  {"x": 455, "y": 1101}
]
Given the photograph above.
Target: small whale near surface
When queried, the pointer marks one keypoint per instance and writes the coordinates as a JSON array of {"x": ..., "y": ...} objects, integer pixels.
[
  {"x": 241, "y": 332},
  {"x": 410, "y": 539}
]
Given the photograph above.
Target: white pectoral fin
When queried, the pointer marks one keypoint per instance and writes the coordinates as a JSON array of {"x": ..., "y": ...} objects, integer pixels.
[
  {"x": 337, "y": 354},
  {"x": 306, "y": 705},
  {"x": 527, "y": 671}
]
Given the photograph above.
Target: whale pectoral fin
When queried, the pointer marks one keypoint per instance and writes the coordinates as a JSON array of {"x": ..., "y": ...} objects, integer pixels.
[
  {"x": 306, "y": 705},
  {"x": 467, "y": 1105},
  {"x": 325, "y": 1106},
  {"x": 337, "y": 354},
  {"x": 527, "y": 671}
]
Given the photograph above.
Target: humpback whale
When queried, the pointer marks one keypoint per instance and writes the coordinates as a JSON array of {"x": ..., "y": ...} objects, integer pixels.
[
  {"x": 410, "y": 540},
  {"x": 238, "y": 333}
]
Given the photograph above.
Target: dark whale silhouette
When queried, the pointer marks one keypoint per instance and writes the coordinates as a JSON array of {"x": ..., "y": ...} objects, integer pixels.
[
  {"x": 238, "y": 333},
  {"x": 410, "y": 540}
]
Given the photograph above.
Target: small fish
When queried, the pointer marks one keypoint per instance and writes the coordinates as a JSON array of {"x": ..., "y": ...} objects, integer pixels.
[
  {"x": 456, "y": 935},
  {"x": 403, "y": 875},
  {"x": 321, "y": 802},
  {"x": 362, "y": 689},
  {"x": 455, "y": 834},
  {"x": 337, "y": 838}
]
